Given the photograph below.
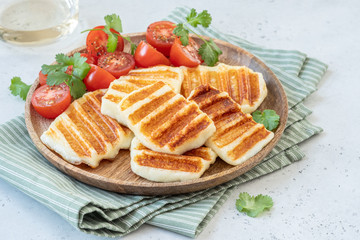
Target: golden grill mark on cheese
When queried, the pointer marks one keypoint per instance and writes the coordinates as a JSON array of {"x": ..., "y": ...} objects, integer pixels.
[
  {"x": 249, "y": 142},
  {"x": 167, "y": 161},
  {"x": 149, "y": 107},
  {"x": 237, "y": 137},
  {"x": 77, "y": 144},
  {"x": 171, "y": 125},
  {"x": 140, "y": 95},
  {"x": 83, "y": 135},
  {"x": 161, "y": 74},
  {"x": 163, "y": 167},
  {"x": 244, "y": 86},
  {"x": 137, "y": 79}
]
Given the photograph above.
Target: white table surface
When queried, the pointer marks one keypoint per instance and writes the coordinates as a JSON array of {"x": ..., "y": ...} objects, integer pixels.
[{"x": 316, "y": 198}]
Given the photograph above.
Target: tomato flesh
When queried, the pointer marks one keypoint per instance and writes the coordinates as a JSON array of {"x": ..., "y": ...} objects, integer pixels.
[
  {"x": 185, "y": 55},
  {"x": 160, "y": 35},
  {"x": 51, "y": 101},
  {"x": 96, "y": 42},
  {"x": 147, "y": 56},
  {"x": 98, "y": 78},
  {"x": 117, "y": 63}
]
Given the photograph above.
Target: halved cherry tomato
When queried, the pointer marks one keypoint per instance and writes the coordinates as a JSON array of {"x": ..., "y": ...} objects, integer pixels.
[
  {"x": 98, "y": 78},
  {"x": 160, "y": 35},
  {"x": 51, "y": 101},
  {"x": 147, "y": 56},
  {"x": 96, "y": 42},
  {"x": 89, "y": 58},
  {"x": 185, "y": 55},
  {"x": 43, "y": 77},
  {"x": 117, "y": 63}
]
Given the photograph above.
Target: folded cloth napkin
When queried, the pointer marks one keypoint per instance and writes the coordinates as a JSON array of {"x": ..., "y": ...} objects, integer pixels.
[{"x": 104, "y": 213}]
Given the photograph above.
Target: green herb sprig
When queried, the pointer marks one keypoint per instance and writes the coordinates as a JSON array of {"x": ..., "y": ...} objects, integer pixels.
[
  {"x": 113, "y": 21},
  {"x": 59, "y": 73},
  {"x": 19, "y": 88},
  {"x": 208, "y": 51},
  {"x": 253, "y": 206},
  {"x": 268, "y": 117}
]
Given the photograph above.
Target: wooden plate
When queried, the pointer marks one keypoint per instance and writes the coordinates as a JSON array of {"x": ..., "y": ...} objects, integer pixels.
[{"x": 117, "y": 176}]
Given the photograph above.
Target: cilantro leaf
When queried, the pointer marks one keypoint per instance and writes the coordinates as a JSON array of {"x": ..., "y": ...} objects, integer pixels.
[
  {"x": 113, "y": 21},
  {"x": 63, "y": 59},
  {"x": 59, "y": 73},
  {"x": 253, "y": 206},
  {"x": 183, "y": 33},
  {"x": 46, "y": 69},
  {"x": 19, "y": 88},
  {"x": 268, "y": 117},
  {"x": 112, "y": 40},
  {"x": 56, "y": 78},
  {"x": 77, "y": 88},
  {"x": 203, "y": 18},
  {"x": 80, "y": 66},
  {"x": 210, "y": 52}
]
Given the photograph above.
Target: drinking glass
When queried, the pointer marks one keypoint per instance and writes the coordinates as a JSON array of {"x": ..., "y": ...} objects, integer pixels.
[{"x": 37, "y": 21}]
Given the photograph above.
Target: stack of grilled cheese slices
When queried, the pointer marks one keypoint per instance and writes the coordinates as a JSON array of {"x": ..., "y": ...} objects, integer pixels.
[{"x": 172, "y": 112}]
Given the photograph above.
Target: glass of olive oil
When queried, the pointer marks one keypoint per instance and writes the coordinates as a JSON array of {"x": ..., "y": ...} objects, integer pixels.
[{"x": 28, "y": 22}]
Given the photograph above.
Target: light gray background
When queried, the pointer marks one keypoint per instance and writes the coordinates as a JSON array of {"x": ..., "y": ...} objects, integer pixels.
[{"x": 316, "y": 198}]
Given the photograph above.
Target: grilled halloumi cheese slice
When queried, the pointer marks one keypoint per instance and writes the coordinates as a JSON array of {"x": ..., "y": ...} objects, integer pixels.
[
  {"x": 244, "y": 86},
  {"x": 82, "y": 134},
  {"x": 136, "y": 79},
  {"x": 238, "y": 137},
  {"x": 163, "y": 167},
  {"x": 165, "y": 121}
]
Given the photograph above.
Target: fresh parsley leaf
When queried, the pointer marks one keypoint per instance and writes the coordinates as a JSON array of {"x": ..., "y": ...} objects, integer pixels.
[
  {"x": 112, "y": 40},
  {"x": 63, "y": 59},
  {"x": 56, "y": 78},
  {"x": 19, "y": 88},
  {"x": 268, "y": 117},
  {"x": 80, "y": 66},
  {"x": 210, "y": 52},
  {"x": 77, "y": 88},
  {"x": 183, "y": 33},
  {"x": 113, "y": 21},
  {"x": 58, "y": 73},
  {"x": 203, "y": 18},
  {"x": 253, "y": 206}
]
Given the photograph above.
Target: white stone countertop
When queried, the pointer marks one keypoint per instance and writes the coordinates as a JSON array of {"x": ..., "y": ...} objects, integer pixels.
[{"x": 316, "y": 198}]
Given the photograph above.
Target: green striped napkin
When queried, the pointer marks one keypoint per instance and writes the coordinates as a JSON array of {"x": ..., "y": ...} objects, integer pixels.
[{"x": 103, "y": 213}]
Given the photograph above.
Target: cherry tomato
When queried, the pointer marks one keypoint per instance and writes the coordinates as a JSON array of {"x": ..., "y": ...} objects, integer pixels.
[
  {"x": 89, "y": 59},
  {"x": 96, "y": 42},
  {"x": 160, "y": 35},
  {"x": 43, "y": 77},
  {"x": 51, "y": 101},
  {"x": 117, "y": 63},
  {"x": 98, "y": 78},
  {"x": 147, "y": 56},
  {"x": 185, "y": 55}
]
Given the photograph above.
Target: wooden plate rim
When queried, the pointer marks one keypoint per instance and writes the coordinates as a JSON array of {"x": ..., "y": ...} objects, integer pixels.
[{"x": 222, "y": 177}]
